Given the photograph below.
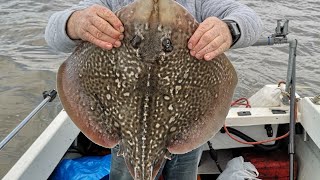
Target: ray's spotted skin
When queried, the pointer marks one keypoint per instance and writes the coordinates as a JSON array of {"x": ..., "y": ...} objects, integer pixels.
[{"x": 149, "y": 95}]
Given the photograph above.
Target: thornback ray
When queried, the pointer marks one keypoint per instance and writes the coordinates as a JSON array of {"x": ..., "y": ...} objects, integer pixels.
[{"x": 150, "y": 95}]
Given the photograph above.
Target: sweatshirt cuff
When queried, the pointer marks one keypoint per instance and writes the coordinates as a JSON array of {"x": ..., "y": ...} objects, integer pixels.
[
  {"x": 60, "y": 40},
  {"x": 248, "y": 35}
]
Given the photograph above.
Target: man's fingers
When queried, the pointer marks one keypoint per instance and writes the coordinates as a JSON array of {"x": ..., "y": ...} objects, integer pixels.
[
  {"x": 98, "y": 25},
  {"x": 212, "y": 46},
  {"x": 206, "y": 39},
  {"x": 105, "y": 27},
  {"x": 201, "y": 30},
  {"x": 211, "y": 55},
  {"x": 109, "y": 16},
  {"x": 210, "y": 39},
  {"x": 90, "y": 37},
  {"x": 95, "y": 32}
]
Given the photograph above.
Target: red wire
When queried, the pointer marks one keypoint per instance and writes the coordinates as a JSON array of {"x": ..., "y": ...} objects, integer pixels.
[
  {"x": 239, "y": 102},
  {"x": 247, "y": 104},
  {"x": 254, "y": 143}
]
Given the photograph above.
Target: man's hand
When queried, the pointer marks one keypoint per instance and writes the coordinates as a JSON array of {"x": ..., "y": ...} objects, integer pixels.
[
  {"x": 211, "y": 39},
  {"x": 96, "y": 24}
]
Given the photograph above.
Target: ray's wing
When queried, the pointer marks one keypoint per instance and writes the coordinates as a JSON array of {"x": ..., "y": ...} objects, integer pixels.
[
  {"x": 96, "y": 88},
  {"x": 195, "y": 97}
]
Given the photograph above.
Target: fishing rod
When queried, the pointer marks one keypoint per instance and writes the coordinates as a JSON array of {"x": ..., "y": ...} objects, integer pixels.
[
  {"x": 48, "y": 97},
  {"x": 280, "y": 37}
]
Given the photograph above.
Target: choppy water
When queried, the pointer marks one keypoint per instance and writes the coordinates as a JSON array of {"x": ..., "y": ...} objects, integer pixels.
[{"x": 28, "y": 65}]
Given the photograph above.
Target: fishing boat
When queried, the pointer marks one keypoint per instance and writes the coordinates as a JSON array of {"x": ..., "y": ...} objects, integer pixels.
[{"x": 259, "y": 122}]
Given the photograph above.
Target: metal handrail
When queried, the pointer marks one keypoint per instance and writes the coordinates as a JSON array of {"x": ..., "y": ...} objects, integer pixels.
[{"x": 48, "y": 97}]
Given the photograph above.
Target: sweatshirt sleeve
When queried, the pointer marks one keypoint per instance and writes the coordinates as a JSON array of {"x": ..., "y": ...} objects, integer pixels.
[
  {"x": 249, "y": 22},
  {"x": 55, "y": 33}
]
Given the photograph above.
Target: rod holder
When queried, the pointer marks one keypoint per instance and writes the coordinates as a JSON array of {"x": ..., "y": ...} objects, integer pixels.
[
  {"x": 48, "y": 97},
  {"x": 280, "y": 37}
]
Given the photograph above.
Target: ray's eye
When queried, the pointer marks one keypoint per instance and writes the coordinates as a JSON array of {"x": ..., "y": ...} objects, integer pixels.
[
  {"x": 167, "y": 45},
  {"x": 136, "y": 41}
]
